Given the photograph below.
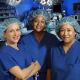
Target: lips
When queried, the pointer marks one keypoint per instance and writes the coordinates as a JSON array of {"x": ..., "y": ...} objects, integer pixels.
[
  {"x": 16, "y": 38},
  {"x": 38, "y": 27}
]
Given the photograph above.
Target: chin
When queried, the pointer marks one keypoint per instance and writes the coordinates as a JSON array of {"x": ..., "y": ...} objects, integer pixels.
[
  {"x": 65, "y": 41},
  {"x": 15, "y": 41},
  {"x": 38, "y": 30}
]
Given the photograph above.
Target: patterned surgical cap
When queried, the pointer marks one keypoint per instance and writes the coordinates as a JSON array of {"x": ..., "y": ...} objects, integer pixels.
[
  {"x": 6, "y": 23},
  {"x": 38, "y": 12},
  {"x": 69, "y": 20}
]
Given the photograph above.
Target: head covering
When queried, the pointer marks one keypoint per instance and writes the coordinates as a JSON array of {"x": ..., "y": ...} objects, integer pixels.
[
  {"x": 38, "y": 12},
  {"x": 69, "y": 20},
  {"x": 6, "y": 23}
]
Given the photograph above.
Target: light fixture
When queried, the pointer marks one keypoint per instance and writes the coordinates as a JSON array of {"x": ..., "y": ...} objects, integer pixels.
[
  {"x": 13, "y": 2},
  {"x": 47, "y": 2}
]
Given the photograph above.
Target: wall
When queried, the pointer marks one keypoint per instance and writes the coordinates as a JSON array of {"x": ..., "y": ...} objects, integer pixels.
[
  {"x": 24, "y": 6},
  {"x": 68, "y": 6}
]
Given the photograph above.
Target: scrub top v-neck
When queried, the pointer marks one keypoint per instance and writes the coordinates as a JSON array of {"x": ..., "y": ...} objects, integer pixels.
[{"x": 66, "y": 66}]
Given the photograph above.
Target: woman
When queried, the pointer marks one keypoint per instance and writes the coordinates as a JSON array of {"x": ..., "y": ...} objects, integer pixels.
[
  {"x": 12, "y": 56},
  {"x": 65, "y": 57},
  {"x": 39, "y": 41}
]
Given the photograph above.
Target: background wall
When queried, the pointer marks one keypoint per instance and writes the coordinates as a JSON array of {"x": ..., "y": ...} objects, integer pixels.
[
  {"x": 68, "y": 6},
  {"x": 28, "y": 4}
]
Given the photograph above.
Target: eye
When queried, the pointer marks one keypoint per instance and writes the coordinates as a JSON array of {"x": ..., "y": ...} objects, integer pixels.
[
  {"x": 18, "y": 30},
  {"x": 68, "y": 30},
  {"x": 35, "y": 20},
  {"x": 43, "y": 21},
  {"x": 11, "y": 31},
  {"x": 61, "y": 30}
]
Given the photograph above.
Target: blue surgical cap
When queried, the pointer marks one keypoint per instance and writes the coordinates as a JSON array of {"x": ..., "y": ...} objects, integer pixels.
[
  {"x": 38, "y": 12},
  {"x": 69, "y": 20},
  {"x": 6, "y": 23}
]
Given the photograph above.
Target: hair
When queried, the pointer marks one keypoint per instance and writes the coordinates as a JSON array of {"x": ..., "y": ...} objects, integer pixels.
[
  {"x": 38, "y": 12},
  {"x": 6, "y": 23},
  {"x": 69, "y": 20}
]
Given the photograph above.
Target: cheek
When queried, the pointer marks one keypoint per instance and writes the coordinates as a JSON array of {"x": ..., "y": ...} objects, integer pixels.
[
  {"x": 19, "y": 33},
  {"x": 61, "y": 33},
  {"x": 72, "y": 33},
  {"x": 33, "y": 25},
  {"x": 43, "y": 25}
]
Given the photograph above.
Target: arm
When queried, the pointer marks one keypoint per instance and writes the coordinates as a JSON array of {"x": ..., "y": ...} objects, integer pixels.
[
  {"x": 21, "y": 74},
  {"x": 48, "y": 75},
  {"x": 33, "y": 72},
  {"x": 36, "y": 69}
]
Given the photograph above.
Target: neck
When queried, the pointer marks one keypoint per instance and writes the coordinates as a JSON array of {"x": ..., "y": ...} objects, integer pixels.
[
  {"x": 14, "y": 45},
  {"x": 39, "y": 35},
  {"x": 67, "y": 46}
]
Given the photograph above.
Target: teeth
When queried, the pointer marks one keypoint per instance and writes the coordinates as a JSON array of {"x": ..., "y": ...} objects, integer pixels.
[
  {"x": 38, "y": 27},
  {"x": 15, "y": 37}
]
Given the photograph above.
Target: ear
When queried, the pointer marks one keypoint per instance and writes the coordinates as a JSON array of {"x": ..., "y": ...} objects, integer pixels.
[
  {"x": 4, "y": 34},
  {"x": 75, "y": 33}
]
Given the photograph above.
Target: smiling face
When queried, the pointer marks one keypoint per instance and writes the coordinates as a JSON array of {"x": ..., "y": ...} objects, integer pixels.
[
  {"x": 38, "y": 23},
  {"x": 12, "y": 34},
  {"x": 67, "y": 33}
]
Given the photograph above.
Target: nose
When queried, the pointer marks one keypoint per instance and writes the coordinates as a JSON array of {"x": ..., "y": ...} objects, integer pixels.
[
  {"x": 65, "y": 32},
  {"x": 15, "y": 33},
  {"x": 39, "y": 22}
]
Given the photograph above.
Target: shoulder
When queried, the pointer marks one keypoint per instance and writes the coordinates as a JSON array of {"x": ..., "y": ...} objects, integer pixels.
[
  {"x": 77, "y": 44},
  {"x": 51, "y": 36},
  {"x": 3, "y": 48},
  {"x": 7, "y": 50},
  {"x": 26, "y": 36},
  {"x": 4, "y": 52},
  {"x": 57, "y": 46}
]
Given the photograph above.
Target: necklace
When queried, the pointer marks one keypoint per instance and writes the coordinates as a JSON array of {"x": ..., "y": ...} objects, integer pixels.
[
  {"x": 6, "y": 44},
  {"x": 11, "y": 46}
]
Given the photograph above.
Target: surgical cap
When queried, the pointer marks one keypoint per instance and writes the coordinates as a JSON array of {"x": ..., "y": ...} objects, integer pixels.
[
  {"x": 6, "y": 23},
  {"x": 38, "y": 12},
  {"x": 69, "y": 20}
]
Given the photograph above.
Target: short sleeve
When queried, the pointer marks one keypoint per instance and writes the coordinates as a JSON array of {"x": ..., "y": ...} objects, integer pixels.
[{"x": 7, "y": 61}]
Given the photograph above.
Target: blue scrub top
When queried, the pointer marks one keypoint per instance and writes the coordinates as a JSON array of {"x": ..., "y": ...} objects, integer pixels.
[
  {"x": 66, "y": 66},
  {"x": 38, "y": 51},
  {"x": 10, "y": 57}
]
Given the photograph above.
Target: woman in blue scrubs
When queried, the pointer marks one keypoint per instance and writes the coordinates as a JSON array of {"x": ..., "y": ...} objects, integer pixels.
[
  {"x": 38, "y": 42},
  {"x": 65, "y": 57},
  {"x": 12, "y": 56}
]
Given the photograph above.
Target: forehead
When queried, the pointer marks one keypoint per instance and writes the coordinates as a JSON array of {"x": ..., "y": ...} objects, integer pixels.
[
  {"x": 40, "y": 17},
  {"x": 66, "y": 26},
  {"x": 13, "y": 26}
]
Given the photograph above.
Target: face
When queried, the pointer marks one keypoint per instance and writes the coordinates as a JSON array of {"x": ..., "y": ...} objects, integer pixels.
[
  {"x": 67, "y": 33},
  {"x": 12, "y": 34},
  {"x": 38, "y": 23}
]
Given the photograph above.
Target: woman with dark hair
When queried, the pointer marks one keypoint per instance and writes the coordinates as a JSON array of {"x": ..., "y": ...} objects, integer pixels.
[
  {"x": 38, "y": 42},
  {"x": 65, "y": 57}
]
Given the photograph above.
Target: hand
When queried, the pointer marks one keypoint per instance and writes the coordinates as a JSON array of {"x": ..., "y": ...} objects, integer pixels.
[
  {"x": 19, "y": 79},
  {"x": 16, "y": 79}
]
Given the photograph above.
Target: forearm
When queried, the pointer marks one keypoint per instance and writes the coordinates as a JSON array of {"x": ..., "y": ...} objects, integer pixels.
[
  {"x": 27, "y": 71},
  {"x": 21, "y": 73},
  {"x": 35, "y": 70},
  {"x": 48, "y": 77},
  {"x": 30, "y": 71}
]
